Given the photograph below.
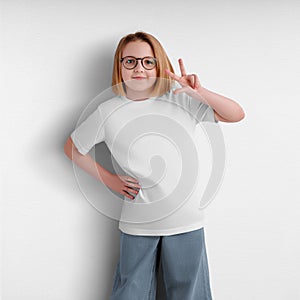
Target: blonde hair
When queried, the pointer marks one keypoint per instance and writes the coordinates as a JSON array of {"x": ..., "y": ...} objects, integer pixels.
[{"x": 163, "y": 62}]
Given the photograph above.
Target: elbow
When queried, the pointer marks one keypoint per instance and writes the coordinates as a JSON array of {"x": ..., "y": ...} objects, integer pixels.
[
  {"x": 239, "y": 115},
  {"x": 68, "y": 148}
]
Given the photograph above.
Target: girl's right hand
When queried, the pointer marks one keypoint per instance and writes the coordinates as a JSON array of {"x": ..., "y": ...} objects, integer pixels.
[{"x": 123, "y": 184}]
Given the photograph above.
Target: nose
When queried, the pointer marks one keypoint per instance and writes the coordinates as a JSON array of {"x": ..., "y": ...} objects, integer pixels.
[{"x": 139, "y": 67}]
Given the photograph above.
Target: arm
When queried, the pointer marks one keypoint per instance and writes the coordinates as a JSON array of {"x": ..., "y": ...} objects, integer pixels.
[
  {"x": 225, "y": 109},
  {"x": 119, "y": 183},
  {"x": 85, "y": 162}
]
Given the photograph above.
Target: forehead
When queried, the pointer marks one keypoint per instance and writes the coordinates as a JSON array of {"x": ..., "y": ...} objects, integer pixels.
[{"x": 137, "y": 49}]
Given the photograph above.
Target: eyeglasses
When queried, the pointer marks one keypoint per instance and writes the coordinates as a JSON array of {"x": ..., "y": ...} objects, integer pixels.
[{"x": 130, "y": 62}]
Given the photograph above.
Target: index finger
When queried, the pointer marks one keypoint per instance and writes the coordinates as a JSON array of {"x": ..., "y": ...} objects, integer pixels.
[
  {"x": 131, "y": 179},
  {"x": 172, "y": 75},
  {"x": 182, "y": 68},
  {"x": 132, "y": 182}
]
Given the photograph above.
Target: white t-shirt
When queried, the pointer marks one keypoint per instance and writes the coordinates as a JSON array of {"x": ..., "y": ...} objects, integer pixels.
[{"x": 154, "y": 141}]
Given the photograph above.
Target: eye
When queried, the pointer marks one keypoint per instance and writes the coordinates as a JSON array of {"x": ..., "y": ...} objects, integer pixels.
[
  {"x": 149, "y": 62},
  {"x": 130, "y": 61}
]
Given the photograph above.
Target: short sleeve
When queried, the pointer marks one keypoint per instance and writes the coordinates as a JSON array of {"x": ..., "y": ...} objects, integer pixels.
[
  {"x": 201, "y": 112},
  {"x": 89, "y": 133}
]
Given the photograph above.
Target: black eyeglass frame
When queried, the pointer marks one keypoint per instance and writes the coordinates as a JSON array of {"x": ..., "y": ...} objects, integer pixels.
[{"x": 136, "y": 62}]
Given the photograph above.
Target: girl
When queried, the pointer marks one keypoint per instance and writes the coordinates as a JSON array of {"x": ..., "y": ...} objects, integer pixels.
[{"x": 145, "y": 86}]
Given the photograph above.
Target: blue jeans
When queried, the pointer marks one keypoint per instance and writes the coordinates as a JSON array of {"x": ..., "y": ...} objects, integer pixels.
[{"x": 183, "y": 262}]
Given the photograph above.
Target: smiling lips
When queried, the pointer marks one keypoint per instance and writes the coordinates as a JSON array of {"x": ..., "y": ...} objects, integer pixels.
[{"x": 139, "y": 78}]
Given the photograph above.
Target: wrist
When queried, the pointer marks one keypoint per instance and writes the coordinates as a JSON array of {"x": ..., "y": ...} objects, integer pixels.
[
  {"x": 103, "y": 174},
  {"x": 202, "y": 92}
]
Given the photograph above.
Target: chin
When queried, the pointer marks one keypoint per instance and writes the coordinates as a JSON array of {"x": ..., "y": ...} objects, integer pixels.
[{"x": 140, "y": 85}]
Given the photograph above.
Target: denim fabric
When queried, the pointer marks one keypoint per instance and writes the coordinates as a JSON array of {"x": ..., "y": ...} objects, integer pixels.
[{"x": 183, "y": 261}]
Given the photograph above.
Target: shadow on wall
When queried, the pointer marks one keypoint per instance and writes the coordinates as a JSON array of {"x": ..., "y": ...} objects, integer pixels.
[
  {"x": 101, "y": 243},
  {"x": 96, "y": 78}
]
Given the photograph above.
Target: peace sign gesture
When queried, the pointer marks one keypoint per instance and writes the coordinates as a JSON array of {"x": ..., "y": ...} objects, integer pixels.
[{"x": 190, "y": 83}]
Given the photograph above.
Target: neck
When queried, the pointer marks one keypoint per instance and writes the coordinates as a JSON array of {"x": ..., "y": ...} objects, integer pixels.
[{"x": 138, "y": 95}]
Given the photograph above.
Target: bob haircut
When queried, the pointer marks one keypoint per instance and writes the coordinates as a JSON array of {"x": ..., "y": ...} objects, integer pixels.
[{"x": 163, "y": 62}]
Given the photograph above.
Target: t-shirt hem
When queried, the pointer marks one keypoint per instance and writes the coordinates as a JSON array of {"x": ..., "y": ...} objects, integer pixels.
[{"x": 159, "y": 232}]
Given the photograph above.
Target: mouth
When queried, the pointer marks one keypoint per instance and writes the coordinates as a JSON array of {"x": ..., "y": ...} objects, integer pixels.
[{"x": 139, "y": 78}]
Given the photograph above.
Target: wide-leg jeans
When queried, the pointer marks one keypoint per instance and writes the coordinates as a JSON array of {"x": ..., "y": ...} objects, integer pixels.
[{"x": 183, "y": 261}]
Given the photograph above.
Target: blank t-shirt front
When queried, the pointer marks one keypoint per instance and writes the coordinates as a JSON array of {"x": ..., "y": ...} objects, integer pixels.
[{"x": 154, "y": 141}]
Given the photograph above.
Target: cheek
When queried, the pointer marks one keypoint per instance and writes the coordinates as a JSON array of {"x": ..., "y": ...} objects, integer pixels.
[
  {"x": 125, "y": 74},
  {"x": 122, "y": 74},
  {"x": 153, "y": 73}
]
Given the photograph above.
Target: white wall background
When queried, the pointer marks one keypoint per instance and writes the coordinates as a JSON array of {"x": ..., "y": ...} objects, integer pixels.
[{"x": 58, "y": 56}]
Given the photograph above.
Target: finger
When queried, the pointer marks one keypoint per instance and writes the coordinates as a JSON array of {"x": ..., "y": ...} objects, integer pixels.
[
  {"x": 191, "y": 80},
  {"x": 181, "y": 90},
  {"x": 130, "y": 190},
  {"x": 172, "y": 75},
  {"x": 194, "y": 80},
  {"x": 133, "y": 191},
  {"x": 127, "y": 194},
  {"x": 197, "y": 82},
  {"x": 182, "y": 68},
  {"x": 130, "y": 179},
  {"x": 135, "y": 185}
]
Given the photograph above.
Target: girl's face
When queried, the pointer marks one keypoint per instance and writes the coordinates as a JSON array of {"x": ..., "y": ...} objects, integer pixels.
[{"x": 139, "y": 81}]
